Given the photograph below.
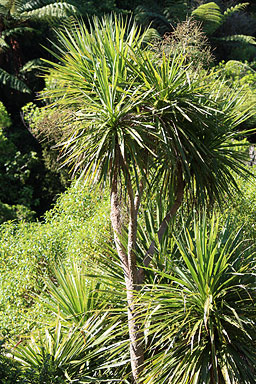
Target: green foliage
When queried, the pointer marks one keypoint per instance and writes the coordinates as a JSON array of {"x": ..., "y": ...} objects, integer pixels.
[
  {"x": 12, "y": 81},
  {"x": 78, "y": 346},
  {"x": 10, "y": 372},
  {"x": 39, "y": 10},
  {"x": 210, "y": 15},
  {"x": 201, "y": 324},
  {"x": 29, "y": 252},
  {"x": 16, "y": 195},
  {"x": 5, "y": 120},
  {"x": 176, "y": 10},
  {"x": 100, "y": 102},
  {"x": 28, "y": 183},
  {"x": 48, "y": 355},
  {"x": 215, "y": 24},
  {"x": 41, "y": 122},
  {"x": 161, "y": 15},
  {"x": 241, "y": 75},
  {"x": 242, "y": 208},
  {"x": 75, "y": 297}
]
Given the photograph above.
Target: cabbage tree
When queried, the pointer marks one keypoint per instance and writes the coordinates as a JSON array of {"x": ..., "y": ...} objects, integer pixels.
[{"x": 137, "y": 122}]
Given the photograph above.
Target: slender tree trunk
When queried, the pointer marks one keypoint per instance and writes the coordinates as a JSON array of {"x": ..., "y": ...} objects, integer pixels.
[
  {"x": 134, "y": 277},
  {"x": 128, "y": 260},
  {"x": 117, "y": 224},
  {"x": 135, "y": 327}
]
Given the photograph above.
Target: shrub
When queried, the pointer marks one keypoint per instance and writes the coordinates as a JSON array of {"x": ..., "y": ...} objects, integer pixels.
[
  {"x": 242, "y": 208},
  {"x": 77, "y": 228}
]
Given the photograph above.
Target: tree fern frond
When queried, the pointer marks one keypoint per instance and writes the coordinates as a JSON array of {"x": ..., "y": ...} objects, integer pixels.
[
  {"x": 25, "y": 6},
  {"x": 19, "y": 31},
  {"x": 230, "y": 11},
  {"x": 210, "y": 16},
  {"x": 3, "y": 44},
  {"x": 13, "y": 82},
  {"x": 50, "y": 11},
  {"x": 150, "y": 35},
  {"x": 145, "y": 17},
  {"x": 32, "y": 65},
  {"x": 176, "y": 9},
  {"x": 244, "y": 39},
  {"x": 7, "y": 4},
  {"x": 3, "y": 10}
]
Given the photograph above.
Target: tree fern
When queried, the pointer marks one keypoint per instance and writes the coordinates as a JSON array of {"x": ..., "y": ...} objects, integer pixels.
[
  {"x": 213, "y": 23},
  {"x": 26, "y": 6},
  {"x": 176, "y": 10}
]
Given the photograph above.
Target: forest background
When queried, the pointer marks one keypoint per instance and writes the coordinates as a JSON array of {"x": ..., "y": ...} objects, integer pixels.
[{"x": 43, "y": 210}]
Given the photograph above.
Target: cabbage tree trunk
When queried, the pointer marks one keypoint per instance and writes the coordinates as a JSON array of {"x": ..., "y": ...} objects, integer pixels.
[
  {"x": 128, "y": 261},
  {"x": 134, "y": 276}
]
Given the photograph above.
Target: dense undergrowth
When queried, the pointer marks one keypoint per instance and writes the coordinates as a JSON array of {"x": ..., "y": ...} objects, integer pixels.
[{"x": 76, "y": 228}]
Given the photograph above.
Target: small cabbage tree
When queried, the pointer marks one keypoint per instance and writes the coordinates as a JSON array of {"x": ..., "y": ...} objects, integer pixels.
[
  {"x": 137, "y": 122},
  {"x": 201, "y": 315}
]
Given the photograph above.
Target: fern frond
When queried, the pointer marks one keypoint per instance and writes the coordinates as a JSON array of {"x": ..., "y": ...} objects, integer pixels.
[
  {"x": 13, "y": 82},
  {"x": 31, "y": 5},
  {"x": 57, "y": 10},
  {"x": 210, "y": 16},
  {"x": 32, "y": 65},
  {"x": 3, "y": 10},
  {"x": 244, "y": 39},
  {"x": 145, "y": 17},
  {"x": 19, "y": 31},
  {"x": 3, "y": 44},
  {"x": 176, "y": 9},
  {"x": 230, "y": 11},
  {"x": 237, "y": 67},
  {"x": 150, "y": 35},
  {"x": 7, "y": 6}
]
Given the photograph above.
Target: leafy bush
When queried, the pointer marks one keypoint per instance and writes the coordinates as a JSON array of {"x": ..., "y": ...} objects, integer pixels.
[
  {"x": 16, "y": 195},
  {"x": 79, "y": 343},
  {"x": 242, "y": 208},
  {"x": 5, "y": 120},
  {"x": 77, "y": 228},
  {"x": 41, "y": 122},
  {"x": 25, "y": 185}
]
